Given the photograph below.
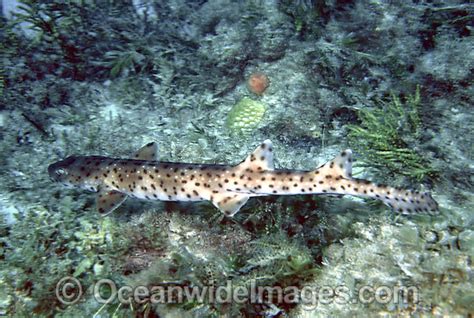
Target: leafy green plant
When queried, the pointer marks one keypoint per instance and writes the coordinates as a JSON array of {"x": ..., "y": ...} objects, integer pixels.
[
  {"x": 386, "y": 137},
  {"x": 133, "y": 56},
  {"x": 42, "y": 247},
  {"x": 285, "y": 261},
  {"x": 54, "y": 25},
  {"x": 82, "y": 38}
]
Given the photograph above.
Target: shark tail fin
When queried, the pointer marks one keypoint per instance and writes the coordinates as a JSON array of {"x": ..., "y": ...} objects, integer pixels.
[{"x": 339, "y": 172}]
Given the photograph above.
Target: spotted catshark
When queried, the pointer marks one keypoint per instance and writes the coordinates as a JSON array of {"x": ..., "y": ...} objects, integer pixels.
[{"x": 227, "y": 187}]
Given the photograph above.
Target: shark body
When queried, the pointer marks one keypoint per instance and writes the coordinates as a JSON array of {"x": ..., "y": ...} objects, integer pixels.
[{"x": 227, "y": 187}]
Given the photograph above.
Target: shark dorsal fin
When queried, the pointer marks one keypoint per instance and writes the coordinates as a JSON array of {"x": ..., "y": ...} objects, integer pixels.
[
  {"x": 229, "y": 203},
  {"x": 147, "y": 152},
  {"x": 261, "y": 159},
  {"x": 107, "y": 201},
  {"x": 339, "y": 166}
]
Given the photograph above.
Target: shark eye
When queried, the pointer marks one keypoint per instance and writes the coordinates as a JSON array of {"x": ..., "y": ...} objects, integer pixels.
[{"x": 60, "y": 172}]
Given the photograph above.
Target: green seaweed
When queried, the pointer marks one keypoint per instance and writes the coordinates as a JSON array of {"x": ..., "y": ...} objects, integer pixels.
[
  {"x": 42, "y": 247},
  {"x": 271, "y": 261},
  {"x": 279, "y": 259},
  {"x": 386, "y": 137},
  {"x": 245, "y": 116},
  {"x": 64, "y": 40}
]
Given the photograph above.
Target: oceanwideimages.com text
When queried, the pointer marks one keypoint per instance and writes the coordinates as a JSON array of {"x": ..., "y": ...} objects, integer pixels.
[{"x": 69, "y": 291}]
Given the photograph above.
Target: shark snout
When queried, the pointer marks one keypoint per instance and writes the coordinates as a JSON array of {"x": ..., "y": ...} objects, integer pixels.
[
  {"x": 55, "y": 172},
  {"x": 59, "y": 170}
]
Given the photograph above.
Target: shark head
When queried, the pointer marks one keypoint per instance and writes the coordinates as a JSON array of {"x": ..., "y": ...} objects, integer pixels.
[
  {"x": 61, "y": 171},
  {"x": 70, "y": 172}
]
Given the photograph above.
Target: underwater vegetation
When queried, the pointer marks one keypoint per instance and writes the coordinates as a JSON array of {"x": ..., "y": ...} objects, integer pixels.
[
  {"x": 63, "y": 40},
  {"x": 154, "y": 249},
  {"x": 245, "y": 116},
  {"x": 385, "y": 137},
  {"x": 54, "y": 246}
]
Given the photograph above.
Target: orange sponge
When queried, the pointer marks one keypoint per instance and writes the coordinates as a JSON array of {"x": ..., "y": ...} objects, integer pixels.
[{"x": 258, "y": 83}]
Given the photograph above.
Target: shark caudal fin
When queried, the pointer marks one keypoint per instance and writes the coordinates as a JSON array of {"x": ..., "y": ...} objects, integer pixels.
[
  {"x": 411, "y": 202},
  {"x": 337, "y": 173}
]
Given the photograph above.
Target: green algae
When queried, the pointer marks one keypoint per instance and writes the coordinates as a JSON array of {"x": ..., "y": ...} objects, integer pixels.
[
  {"x": 245, "y": 116},
  {"x": 41, "y": 248},
  {"x": 386, "y": 138}
]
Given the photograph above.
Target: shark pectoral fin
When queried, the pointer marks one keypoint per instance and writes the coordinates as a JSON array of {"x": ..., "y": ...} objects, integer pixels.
[
  {"x": 229, "y": 203},
  {"x": 339, "y": 166},
  {"x": 107, "y": 201},
  {"x": 261, "y": 159},
  {"x": 147, "y": 152}
]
